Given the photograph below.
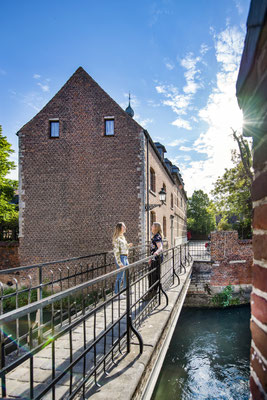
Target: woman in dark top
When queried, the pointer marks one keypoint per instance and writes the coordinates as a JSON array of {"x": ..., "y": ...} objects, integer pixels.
[{"x": 155, "y": 249}]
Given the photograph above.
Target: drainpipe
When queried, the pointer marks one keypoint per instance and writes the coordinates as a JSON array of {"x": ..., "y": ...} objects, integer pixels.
[
  {"x": 147, "y": 189},
  {"x": 172, "y": 218}
]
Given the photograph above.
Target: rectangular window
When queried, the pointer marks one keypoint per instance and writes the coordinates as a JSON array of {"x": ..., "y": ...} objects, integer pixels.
[
  {"x": 109, "y": 127},
  {"x": 54, "y": 129}
]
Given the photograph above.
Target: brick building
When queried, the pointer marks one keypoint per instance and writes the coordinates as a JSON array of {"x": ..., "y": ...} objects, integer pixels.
[
  {"x": 84, "y": 165},
  {"x": 252, "y": 98}
]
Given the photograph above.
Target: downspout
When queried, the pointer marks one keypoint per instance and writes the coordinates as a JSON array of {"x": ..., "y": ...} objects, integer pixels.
[{"x": 147, "y": 189}]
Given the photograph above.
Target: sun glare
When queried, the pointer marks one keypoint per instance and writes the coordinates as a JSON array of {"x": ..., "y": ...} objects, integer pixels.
[{"x": 236, "y": 118}]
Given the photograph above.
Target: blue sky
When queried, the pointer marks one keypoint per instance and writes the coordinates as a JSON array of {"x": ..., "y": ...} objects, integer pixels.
[{"x": 179, "y": 59}]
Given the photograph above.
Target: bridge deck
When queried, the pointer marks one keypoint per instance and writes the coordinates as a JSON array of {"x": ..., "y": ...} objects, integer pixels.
[
  {"x": 18, "y": 379},
  {"x": 151, "y": 331},
  {"x": 94, "y": 345},
  {"x": 135, "y": 375}
]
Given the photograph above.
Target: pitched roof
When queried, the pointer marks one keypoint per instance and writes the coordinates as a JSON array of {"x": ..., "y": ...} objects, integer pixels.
[{"x": 81, "y": 79}]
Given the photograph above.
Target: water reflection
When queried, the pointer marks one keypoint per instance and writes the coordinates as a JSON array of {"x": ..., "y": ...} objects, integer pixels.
[{"x": 208, "y": 358}]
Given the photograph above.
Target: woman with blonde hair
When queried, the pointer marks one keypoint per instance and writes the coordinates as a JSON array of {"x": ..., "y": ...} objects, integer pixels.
[{"x": 121, "y": 249}]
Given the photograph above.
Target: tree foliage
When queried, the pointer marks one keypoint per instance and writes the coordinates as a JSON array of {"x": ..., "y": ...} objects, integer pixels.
[
  {"x": 224, "y": 225},
  {"x": 200, "y": 213},
  {"x": 8, "y": 212},
  {"x": 231, "y": 192}
]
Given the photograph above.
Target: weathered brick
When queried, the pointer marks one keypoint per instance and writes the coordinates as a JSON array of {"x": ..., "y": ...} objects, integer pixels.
[
  {"x": 260, "y": 247},
  {"x": 259, "y": 187},
  {"x": 259, "y": 337},
  {"x": 259, "y": 275},
  {"x": 257, "y": 394},
  {"x": 260, "y": 154},
  {"x": 260, "y": 217},
  {"x": 259, "y": 368},
  {"x": 259, "y": 308},
  {"x": 9, "y": 257}
]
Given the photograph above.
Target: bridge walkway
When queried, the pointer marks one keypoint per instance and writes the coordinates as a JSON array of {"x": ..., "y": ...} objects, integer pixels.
[{"x": 113, "y": 337}]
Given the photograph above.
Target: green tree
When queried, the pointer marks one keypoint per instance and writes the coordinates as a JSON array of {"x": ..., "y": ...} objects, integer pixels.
[
  {"x": 224, "y": 225},
  {"x": 200, "y": 213},
  {"x": 232, "y": 196},
  {"x": 8, "y": 211}
]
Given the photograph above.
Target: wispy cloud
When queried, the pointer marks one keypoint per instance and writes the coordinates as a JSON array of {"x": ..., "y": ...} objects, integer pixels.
[
  {"x": 143, "y": 122},
  {"x": 152, "y": 103},
  {"x": 177, "y": 101},
  {"x": 156, "y": 12},
  {"x": 185, "y": 148},
  {"x": 45, "y": 88},
  {"x": 32, "y": 99},
  {"x": 176, "y": 142},
  {"x": 169, "y": 64},
  {"x": 180, "y": 100},
  {"x": 2, "y": 71},
  {"x": 204, "y": 48},
  {"x": 192, "y": 73},
  {"x": 210, "y": 153},
  {"x": 220, "y": 113},
  {"x": 239, "y": 7},
  {"x": 182, "y": 123}
]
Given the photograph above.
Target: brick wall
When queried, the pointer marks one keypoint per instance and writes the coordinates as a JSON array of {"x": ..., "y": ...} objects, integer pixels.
[
  {"x": 75, "y": 188},
  {"x": 179, "y": 207},
  {"x": 252, "y": 98},
  {"x": 9, "y": 257},
  {"x": 231, "y": 265},
  {"x": 232, "y": 259},
  {"x": 258, "y": 378}
]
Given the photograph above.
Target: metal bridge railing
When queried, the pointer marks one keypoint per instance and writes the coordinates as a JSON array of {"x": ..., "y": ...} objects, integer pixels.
[
  {"x": 200, "y": 250},
  {"x": 91, "y": 337},
  {"x": 35, "y": 282}
]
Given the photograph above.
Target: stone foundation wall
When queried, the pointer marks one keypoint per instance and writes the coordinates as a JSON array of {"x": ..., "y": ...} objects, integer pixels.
[
  {"x": 204, "y": 284},
  {"x": 231, "y": 265}
]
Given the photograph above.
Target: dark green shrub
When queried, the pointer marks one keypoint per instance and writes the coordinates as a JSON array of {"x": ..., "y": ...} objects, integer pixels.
[{"x": 225, "y": 298}]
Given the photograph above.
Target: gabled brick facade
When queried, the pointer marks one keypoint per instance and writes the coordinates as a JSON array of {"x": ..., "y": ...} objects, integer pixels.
[{"x": 75, "y": 188}]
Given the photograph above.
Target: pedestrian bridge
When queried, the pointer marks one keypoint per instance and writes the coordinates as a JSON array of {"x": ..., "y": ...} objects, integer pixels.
[{"x": 65, "y": 334}]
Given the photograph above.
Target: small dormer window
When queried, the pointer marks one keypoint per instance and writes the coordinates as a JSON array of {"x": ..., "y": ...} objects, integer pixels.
[
  {"x": 54, "y": 129},
  {"x": 109, "y": 126}
]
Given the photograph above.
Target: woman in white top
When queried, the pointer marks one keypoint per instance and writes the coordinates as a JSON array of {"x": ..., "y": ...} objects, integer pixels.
[{"x": 121, "y": 250}]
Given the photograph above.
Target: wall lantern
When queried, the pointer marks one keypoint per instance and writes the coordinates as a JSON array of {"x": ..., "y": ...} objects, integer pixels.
[{"x": 162, "y": 197}]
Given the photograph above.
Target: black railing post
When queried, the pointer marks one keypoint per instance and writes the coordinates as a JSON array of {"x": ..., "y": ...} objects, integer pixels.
[
  {"x": 105, "y": 262},
  {"x": 128, "y": 322},
  {"x": 39, "y": 314},
  {"x": 173, "y": 266},
  {"x": 2, "y": 354},
  {"x": 180, "y": 258},
  {"x": 159, "y": 275}
]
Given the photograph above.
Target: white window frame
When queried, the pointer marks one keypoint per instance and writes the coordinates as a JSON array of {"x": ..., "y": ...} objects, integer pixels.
[
  {"x": 51, "y": 122},
  {"x": 108, "y": 131}
]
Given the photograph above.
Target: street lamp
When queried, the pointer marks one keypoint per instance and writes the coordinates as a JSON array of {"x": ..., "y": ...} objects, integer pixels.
[{"x": 162, "y": 197}]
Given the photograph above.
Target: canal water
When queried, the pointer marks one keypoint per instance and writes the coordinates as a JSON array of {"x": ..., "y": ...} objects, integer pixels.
[{"x": 208, "y": 357}]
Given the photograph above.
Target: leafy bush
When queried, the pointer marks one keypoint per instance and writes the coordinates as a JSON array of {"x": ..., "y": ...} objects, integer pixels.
[{"x": 225, "y": 298}]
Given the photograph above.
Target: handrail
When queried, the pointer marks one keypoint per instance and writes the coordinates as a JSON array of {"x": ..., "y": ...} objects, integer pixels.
[
  {"x": 108, "y": 318},
  {"x": 20, "y": 312},
  {"x": 24, "y": 267}
]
